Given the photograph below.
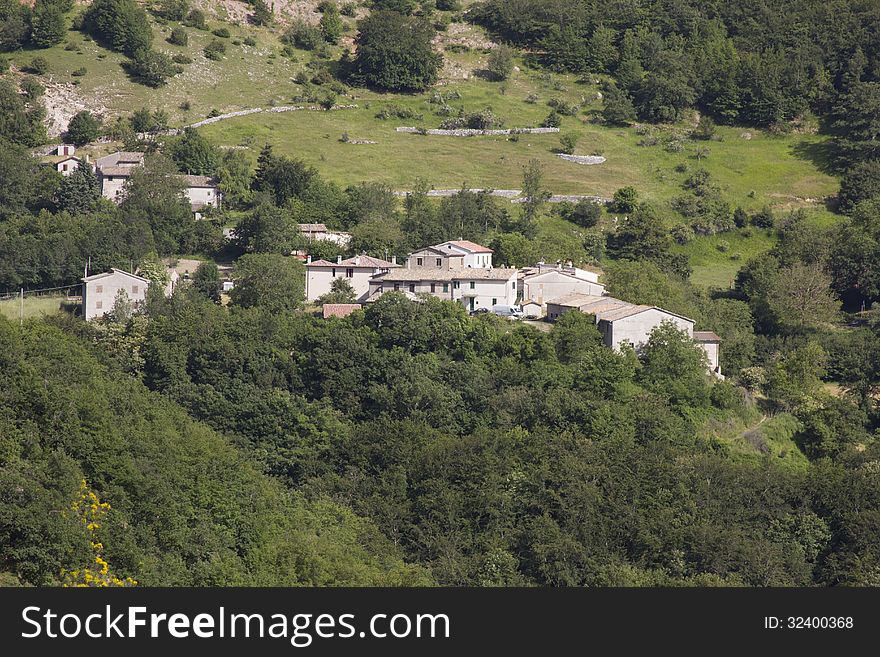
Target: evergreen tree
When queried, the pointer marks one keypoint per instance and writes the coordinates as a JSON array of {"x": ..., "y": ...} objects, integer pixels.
[{"x": 80, "y": 191}]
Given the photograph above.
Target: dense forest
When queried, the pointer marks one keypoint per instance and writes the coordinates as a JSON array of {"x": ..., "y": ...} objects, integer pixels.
[{"x": 245, "y": 440}]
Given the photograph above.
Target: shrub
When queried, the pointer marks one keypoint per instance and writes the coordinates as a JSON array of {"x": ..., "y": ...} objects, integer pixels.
[
  {"x": 303, "y": 36},
  {"x": 764, "y": 218},
  {"x": 174, "y": 10},
  {"x": 196, "y": 19},
  {"x": 553, "y": 120},
  {"x": 501, "y": 62},
  {"x": 178, "y": 37},
  {"x": 568, "y": 142},
  {"x": 80, "y": 72},
  {"x": 221, "y": 32},
  {"x": 39, "y": 66},
  {"x": 723, "y": 246},
  {"x": 250, "y": 41},
  {"x": 215, "y": 50},
  {"x": 448, "y": 5},
  {"x": 349, "y": 9},
  {"x": 153, "y": 68},
  {"x": 180, "y": 58}
]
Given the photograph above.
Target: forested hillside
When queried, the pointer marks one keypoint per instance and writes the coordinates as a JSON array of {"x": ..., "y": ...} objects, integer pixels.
[{"x": 718, "y": 160}]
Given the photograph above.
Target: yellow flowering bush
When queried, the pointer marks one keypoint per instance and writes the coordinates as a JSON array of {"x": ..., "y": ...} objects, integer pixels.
[{"x": 91, "y": 510}]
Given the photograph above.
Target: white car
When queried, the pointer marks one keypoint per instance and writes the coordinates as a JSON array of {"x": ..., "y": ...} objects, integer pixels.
[{"x": 510, "y": 312}]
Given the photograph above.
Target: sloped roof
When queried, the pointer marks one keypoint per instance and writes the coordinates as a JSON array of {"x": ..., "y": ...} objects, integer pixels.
[
  {"x": 312, "y": 228},
  {"x": 199, "y": 181},
  {"x": 339, "y": 309},
  {"x": 95, "y": 277},
  {"x": 706, "y": 336},
  {"x": 442, "y": 275},
  {"x": 124, "y": 172},
  {"x": 129, "y": 157},
  {"x": 467, "y": 245},
  {"x": 363, "y": 261}
]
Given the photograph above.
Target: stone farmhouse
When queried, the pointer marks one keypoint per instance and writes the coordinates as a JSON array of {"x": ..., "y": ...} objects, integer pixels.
[
  {"x": 99, "y": 291},
  {"x": 357, "y": 270},
  {"x": 623, "y": 323},
  {"x": 114, "y": 170}
]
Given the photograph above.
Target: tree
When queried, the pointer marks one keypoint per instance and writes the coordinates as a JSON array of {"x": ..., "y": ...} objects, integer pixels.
[
  {"x": 194, "y": 154},
  {"x": 674, "y": 367},
  {"x": 501, "y": 62},
  {"x": 341, "y": 291},
  {"x": 534, "y": 192},
  {"x": 79, "y": 192},
  {"x": 21, "y": 119},
  {"x": 262, "y": 13},
  {"x": 395, "y": 52},
  {"x": 174, "y": 10},
  {"x": 154, "y": 196},
  {"x": 47, "y": 23},
  {"x": 153, "y": 68},
  {"x": 268, "y": 280},
  {"x": 122, "y": 309},
  {"x": 15, "y": 19},
  {"x": 281, "y": 177},
  {"x": 206, "y": 281},
  {"x": 860, "y": 183},
  {"x": 121, "y": 24},
  {"x": 268, "y": 229},
  {"x": 585, "y": 213},
  {"x": 625, "y": 200},
  {"x": 234, "y": 174},
  {"x": 665, "y": 93},
  {"x": 705, "y": 129},
  {"x": 83, "y": 128},
  {"x": 802, "y": 298},
  {"x": 331, "y": 23}
]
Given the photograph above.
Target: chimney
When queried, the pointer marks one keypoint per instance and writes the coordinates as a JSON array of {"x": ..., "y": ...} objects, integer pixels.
[
  {"x": 394, "y": 260},
  {"x": 308, "y": 260},
  {"x": 357, "y": 260},
  {"x": 339, "y": 260}
]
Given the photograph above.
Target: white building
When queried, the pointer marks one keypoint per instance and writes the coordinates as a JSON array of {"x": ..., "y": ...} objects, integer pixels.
[
  {"x": 475, "y": 288},
  {"x": 711, "y": 343},
  {"x": 556, "y": 283},
  {"x": 473, "y": 254},
  {"x": 99, "y": 291},
  {"x": 202, "y": 192},
  {"x": 114, "y": 170},
  {"x": 358, "y": 270},
  {"x": 621, "y": 323}
]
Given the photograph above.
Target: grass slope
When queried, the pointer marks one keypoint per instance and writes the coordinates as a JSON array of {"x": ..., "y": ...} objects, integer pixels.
[{"x": 784, "y": 172}]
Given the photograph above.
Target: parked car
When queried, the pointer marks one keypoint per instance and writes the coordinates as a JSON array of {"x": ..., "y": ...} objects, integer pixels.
[
  {"x": 510, "y": 312},
  {"x": 479, "y": 311}
]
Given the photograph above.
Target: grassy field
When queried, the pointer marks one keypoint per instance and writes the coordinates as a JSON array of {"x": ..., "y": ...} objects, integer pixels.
[
  {"x": 764, "y": 437},
  {"x": 753, "y": 168},
  {"x": 33, "y": 307}
]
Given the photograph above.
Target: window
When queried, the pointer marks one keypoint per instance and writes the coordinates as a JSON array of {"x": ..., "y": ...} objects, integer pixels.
[
  {"x": 513, "y": 285},
  {"x": 134, "y": 289},
  {"x": 433, "y": 288},
  {"x": 446, "y": 287},
  {"x": 333, "y": 272},
  {"x": 455, "y": 285},
  {"x": 419, "y": 262},
  {"x": 397, "y": 287},
  {"x": 99, "y": 289},
  {"x": 349, "y": 273},
  {"x": 494, "y": 301},
  {"x": 99, "y": 305},
  {"x": 439, "y": 262},
  {"x": 412, "y": 287},
  {"x": 64, "y": 167},
  {"x": 472, "y": 285}
]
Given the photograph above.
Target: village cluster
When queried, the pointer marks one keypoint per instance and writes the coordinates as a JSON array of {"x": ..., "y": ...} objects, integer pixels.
[
  {"x": 459, "y": 271},
  {"x": 114, "y": 171}
]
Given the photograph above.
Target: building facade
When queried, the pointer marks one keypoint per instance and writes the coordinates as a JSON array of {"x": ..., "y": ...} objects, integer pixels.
[
  {"x": 114, "y": 170},
  {"x": 99, "y": 291},
  {"x": 474, "y": 255},
  {"x": 358, "y": 271}
]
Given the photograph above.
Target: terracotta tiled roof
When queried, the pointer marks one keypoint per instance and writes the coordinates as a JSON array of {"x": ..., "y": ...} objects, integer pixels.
[
  {"x": 339, "y": 309},
  {"x": 706, "y": 336}
]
